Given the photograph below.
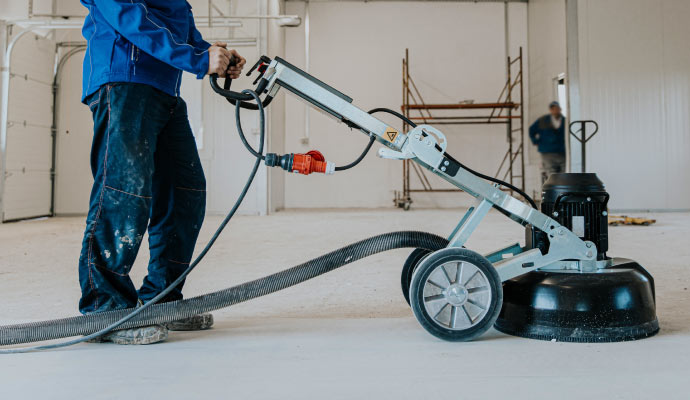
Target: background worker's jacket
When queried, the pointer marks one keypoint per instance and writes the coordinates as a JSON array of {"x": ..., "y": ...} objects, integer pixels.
[
  {"x": 141, "y": 41},
  {"x": 546, "y": 137}
]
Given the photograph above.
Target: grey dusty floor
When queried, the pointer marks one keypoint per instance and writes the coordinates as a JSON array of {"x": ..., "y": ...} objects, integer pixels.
[{"x": 346, "y": 335}]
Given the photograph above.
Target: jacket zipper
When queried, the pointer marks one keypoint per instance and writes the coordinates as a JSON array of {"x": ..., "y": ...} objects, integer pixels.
[{"x": 134, "y": 58}]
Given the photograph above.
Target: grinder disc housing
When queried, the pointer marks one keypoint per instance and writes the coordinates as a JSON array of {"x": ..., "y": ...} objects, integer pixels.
[{"x": 609, "y": 301}]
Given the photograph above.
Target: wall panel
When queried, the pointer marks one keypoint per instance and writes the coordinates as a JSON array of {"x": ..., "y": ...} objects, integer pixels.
[
  {"x": 635, "y": 81},
  {"x": 29, "y": 138},
  {"x": 457, "y": 52},
  {"x": 547, "y": 59}
]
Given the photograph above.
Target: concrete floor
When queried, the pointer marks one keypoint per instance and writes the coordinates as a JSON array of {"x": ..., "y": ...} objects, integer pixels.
[{"x": 346, "y": 335}]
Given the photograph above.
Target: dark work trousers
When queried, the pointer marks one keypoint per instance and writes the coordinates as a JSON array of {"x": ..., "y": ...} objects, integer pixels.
[
  {"x": 147, "y": 175},
  {"x": 551, "y": 163}
]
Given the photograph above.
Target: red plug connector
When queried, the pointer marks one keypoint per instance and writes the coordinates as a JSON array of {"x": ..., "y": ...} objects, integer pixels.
[
  {"x": 313, "y": 161},
  {"x": 305, "y": 164}
]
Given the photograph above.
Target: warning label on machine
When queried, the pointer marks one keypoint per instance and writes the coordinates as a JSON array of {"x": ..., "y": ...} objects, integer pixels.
[{"x": 390, "y": 134}]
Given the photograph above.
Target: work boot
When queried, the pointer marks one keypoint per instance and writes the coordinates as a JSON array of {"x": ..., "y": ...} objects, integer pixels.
[
  {"x": 194, "y": 323},
  {"x": 141, "y": 335}
]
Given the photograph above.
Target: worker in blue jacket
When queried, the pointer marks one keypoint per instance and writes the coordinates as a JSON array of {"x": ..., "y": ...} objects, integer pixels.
[
  {"x": 548, "y": 133},
  {"x": 144, "y": 160}
]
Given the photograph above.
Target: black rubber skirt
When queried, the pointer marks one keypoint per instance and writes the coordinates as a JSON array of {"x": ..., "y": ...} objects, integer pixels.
[{"x": 612, "y": 305}]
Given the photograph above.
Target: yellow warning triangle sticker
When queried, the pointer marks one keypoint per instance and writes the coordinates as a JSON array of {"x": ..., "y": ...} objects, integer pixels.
[{"x": 390, "y": 134}]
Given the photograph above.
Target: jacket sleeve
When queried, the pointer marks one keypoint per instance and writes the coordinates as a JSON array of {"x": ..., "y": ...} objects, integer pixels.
[
  {"x": 132, "y": 20},
  {"x": 533, "y": 132},
  {"x": 195, "y": 37},
  {"x": 196, "y": 40}
]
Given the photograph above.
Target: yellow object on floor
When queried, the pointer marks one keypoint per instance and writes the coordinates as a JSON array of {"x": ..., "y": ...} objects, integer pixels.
[{"x": 625, "y": 220}]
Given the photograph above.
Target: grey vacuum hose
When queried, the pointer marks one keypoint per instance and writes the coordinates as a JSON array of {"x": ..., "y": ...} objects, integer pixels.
[
  {"x": 150, "y": 313},
  {"x": 120, "y": 322},
  {"x": 165, "y": 312}
]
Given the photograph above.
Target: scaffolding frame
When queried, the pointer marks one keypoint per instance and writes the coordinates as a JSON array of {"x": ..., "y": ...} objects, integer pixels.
[{"x": 504, "y": 111}]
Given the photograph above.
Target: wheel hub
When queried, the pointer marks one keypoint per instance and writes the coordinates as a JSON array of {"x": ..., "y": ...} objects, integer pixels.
[{"x": 456, "y": 294}]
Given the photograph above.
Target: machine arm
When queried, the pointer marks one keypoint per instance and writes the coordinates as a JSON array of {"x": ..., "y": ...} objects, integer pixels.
[
  {"x": 281, "y": 74},
  {"x": 426, "y": 146}
]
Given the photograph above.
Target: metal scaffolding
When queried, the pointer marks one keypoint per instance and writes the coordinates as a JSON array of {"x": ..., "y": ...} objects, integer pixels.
[{"x": 507, "y": 110}]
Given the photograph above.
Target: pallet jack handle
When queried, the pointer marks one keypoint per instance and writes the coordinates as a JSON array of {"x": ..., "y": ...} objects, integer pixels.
[{"x": 583, "y": 138}]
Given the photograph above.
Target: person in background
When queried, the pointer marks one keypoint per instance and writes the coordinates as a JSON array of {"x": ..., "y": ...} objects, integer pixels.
[
  {"x": 146, "y": 168},
  {"x": 548, "y": 134}
]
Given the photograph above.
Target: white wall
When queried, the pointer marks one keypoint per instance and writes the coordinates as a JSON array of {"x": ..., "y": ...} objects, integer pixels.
[
  {"x": 13, "y": 9},
  {"x": 634, "y": 62},
  {"x": 276, "y": 121},
  {"x": 226, "y": 163},
  {"x": 457, "y": 52},
  {"x": 634, "y": 79},
  {"x": 547, "y": 59}
]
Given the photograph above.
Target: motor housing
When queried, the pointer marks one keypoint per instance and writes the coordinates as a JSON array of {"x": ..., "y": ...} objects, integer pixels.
[
  {"x": 577, "y": 201},
  {"x": 613, "y": 302}
]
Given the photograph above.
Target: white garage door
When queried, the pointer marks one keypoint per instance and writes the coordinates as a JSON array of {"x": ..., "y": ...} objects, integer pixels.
[
  {"x": 29, "y": 141},
  {"x": 226, "y": 162},
  {"x": 73, "y": 178}
]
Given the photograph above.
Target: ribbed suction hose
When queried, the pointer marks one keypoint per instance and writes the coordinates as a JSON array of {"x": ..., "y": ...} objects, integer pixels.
[{"x": 166, "y": 312}]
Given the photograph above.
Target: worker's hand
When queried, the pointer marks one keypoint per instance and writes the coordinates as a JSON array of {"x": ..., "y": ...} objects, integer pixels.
[
  {"x": 234, "y": 71},
  {"x": 218, "y": 59},
  {"x": 230, "y": 71}
]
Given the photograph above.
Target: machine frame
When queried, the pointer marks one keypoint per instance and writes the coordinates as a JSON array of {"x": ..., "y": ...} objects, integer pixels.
[{"x": 426, "y": 146}]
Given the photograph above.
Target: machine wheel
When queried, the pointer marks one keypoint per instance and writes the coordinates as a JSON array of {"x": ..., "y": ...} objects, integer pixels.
[
  {"x": 408, "y": 269},
  {"x": 456, "y": 294}
]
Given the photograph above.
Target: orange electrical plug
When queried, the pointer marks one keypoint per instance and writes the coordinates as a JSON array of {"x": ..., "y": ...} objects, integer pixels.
[
  {"x": 305, "y": 164},
  {"x": 312, "y": 161}
]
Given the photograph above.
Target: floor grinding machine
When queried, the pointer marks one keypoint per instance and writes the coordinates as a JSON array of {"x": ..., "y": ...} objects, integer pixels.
[{"x": 561, "y": 285}]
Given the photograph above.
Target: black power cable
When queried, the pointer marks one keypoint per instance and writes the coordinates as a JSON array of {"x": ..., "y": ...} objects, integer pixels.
[
  {"x": 191, "y": 266},
  {"x": 238, "y": 123},
  {"x": 372, "y": 139},
  {"x": 259, "y": 157},
  {"x": 473, "y": 172},
  {"x": 495, "y": 180},
  {"x": 395, "y": 113}
]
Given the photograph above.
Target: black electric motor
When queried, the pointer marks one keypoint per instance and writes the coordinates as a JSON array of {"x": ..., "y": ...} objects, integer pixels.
[
  {"x": 577, "y": 201},
  {"x": 615, "y": 302}
]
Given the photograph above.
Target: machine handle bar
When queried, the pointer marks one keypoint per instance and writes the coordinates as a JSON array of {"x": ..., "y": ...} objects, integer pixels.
[{"x": 232, "y": 96}]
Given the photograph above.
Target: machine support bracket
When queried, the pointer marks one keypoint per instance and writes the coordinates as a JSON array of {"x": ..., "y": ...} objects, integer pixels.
[
  {"x": 469, "y": 223},
  {"x": 426, "y": 146},
  {"x": 512, "y": 250}
]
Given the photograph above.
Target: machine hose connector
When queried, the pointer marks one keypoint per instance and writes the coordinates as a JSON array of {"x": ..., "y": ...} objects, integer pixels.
[{"x": 312, "y": 161}]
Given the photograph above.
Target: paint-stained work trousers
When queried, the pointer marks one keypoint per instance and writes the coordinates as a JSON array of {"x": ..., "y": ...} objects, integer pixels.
[{"x": 147, "y": 174}]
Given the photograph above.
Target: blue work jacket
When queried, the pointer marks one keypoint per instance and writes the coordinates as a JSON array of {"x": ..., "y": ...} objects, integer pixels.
[
  {"x": 547, "y": 138},
  {"x": 141, "y": 41}
]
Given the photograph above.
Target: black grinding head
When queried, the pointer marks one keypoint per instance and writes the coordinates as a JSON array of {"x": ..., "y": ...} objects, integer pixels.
[{"x": 613, "y": 305}]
